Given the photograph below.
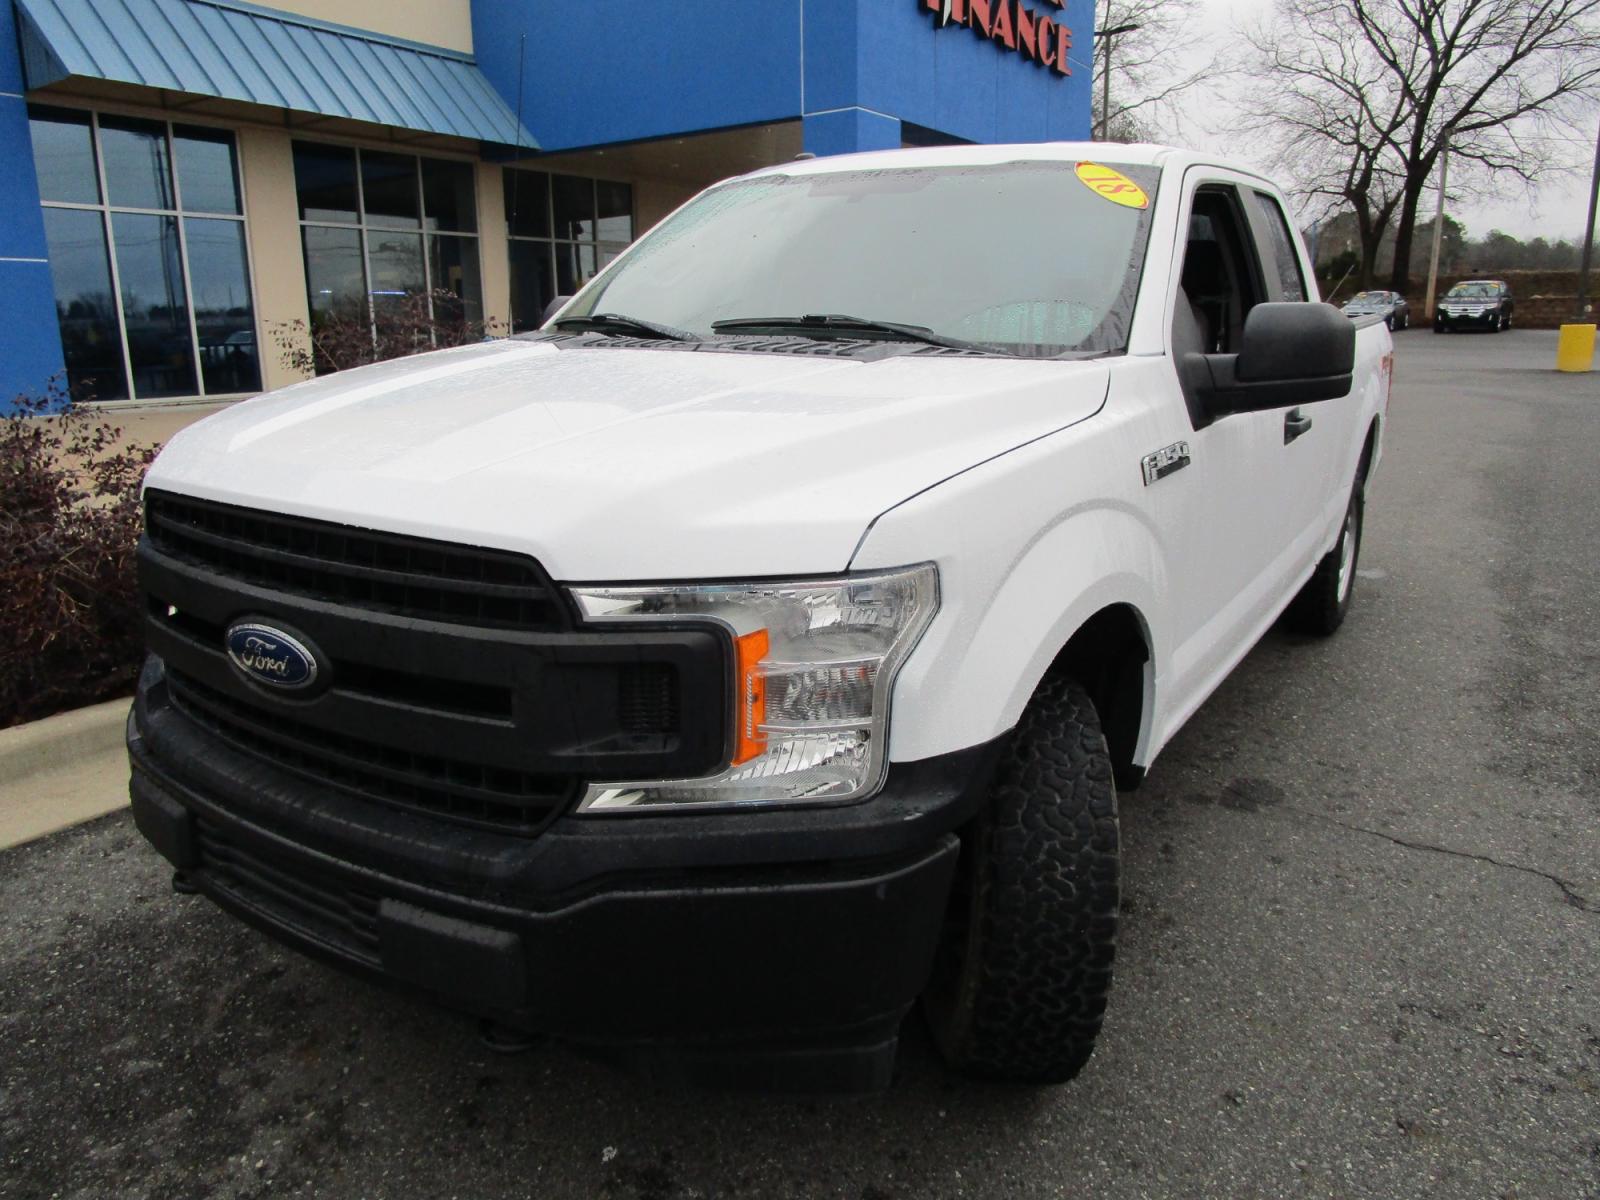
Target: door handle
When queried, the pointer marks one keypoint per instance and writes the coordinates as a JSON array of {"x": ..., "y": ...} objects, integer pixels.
[{"x": 1295, "y": 424}]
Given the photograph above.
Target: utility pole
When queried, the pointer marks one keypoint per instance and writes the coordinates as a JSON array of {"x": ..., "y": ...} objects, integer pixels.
[
  {"x": 1588, "y": 241},
  {"x": 1107, "y": 38},
  {"x": 1438, "y": 227}
]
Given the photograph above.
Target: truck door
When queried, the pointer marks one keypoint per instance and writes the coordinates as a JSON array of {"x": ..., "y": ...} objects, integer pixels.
[
  {"x": 1315, "y": 436},
  {"x": 1235, "y": 562}
]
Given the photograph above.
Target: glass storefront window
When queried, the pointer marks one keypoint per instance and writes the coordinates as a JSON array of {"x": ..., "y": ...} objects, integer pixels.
[
  {"x": 336, "y": 274},
  {"x": 86, "y": 306},
  {"x": 146, "y": 293},
  {"x": 219, "y": 276},
  {"x": 208, "y": 169},
  {"x": 448, "y": 195},
  {"x": 532, "y": 286},
  {"x": 389, "y": 189},
  {"x": 154, "y": 310},
  {"x": 138, "y": 168},
  {"x": 575, "y": 266},
  {"x": 615, "y": 208},
  {"x": 453, "y": 262},
  {"x": 572, "y": 201},
  {"x": 63, "y": 156},
  {"x": 527, "y": 204},
  {"x": 396, "y": 264},
  {"x": 360, "y": 243},
  {"x": 564, "y": 229},
  {"x": 325, "y": 178}
]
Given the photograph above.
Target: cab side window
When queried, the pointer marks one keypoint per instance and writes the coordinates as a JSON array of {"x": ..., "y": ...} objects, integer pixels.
[
  {"x": 1286, "y": 281},
  {"x": 1220, "y": 281}
]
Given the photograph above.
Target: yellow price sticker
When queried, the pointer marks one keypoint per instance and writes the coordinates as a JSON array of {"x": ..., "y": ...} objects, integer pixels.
[{"x": 1113, "y": 185}]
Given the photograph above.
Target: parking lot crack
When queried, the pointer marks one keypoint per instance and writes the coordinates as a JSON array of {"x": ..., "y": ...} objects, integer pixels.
[{"x": 1568, "y": 893}]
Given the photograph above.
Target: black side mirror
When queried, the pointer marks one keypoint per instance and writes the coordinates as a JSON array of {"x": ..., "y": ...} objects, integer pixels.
[
  {"x": 553, "y": 308},
  {"x": 1290, "y": 354}
]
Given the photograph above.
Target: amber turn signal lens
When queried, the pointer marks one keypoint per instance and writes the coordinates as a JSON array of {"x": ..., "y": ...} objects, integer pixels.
[{"x": 751, "y": 741}]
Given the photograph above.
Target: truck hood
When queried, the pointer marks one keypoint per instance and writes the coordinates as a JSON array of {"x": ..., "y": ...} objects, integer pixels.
[{"x": 613, "y": 464}]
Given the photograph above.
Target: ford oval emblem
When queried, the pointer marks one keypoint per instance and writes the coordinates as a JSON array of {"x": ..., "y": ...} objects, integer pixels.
[{"x": 270, "y": 656}]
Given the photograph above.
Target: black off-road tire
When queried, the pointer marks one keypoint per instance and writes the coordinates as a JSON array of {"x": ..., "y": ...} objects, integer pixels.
[
  {"x": 1320, "y": 606},
  {"x": 1019, "y": 988}
]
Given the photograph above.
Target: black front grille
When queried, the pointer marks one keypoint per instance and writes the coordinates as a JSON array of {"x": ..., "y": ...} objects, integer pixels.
[
  {"x": 342, "y": 918},
  {"x": 508, "y": 800},
  {"x": 360, "y": 568},
  {"x": 453, "y": 682}
]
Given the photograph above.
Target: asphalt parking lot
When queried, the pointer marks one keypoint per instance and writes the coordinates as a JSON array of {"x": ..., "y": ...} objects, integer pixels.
[{"x": 1361, "y": 953}]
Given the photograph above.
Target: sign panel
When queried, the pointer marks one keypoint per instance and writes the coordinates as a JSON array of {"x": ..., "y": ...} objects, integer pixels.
[{"x": 1013, "y": 26}]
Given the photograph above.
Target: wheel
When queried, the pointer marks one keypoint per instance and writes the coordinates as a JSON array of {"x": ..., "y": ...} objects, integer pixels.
[
  {"x": 1498, "y": 323},
  {"x": 1320, "y": 606},
  {"x": 1389, "y": 322},
  {"x": 1505, "y": 321},
  {"x": 1024, "y": 964},
  {"x": 1405, "y": 319}
]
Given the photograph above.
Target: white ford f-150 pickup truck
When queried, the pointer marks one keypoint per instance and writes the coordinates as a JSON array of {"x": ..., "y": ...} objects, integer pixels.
[{"x": 757, "y": 649}]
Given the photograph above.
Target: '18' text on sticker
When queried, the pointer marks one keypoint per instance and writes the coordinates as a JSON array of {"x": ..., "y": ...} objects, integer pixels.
[{"x": 1113, "y": 185}]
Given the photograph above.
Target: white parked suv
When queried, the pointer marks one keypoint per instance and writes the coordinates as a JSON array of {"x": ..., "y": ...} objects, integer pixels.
[{"x": 759, "y": 648}]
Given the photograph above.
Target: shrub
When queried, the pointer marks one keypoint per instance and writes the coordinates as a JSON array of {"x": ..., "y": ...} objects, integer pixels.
[
  {"x": 69, "y": 523},
  {"x": 348, "y": 335}
]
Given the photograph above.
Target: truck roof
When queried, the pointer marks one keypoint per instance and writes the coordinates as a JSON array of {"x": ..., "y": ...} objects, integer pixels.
[{"x": 1139, "y": 154}]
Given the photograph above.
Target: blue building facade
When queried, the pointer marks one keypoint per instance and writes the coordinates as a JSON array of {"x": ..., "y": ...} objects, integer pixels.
[
  {"x": 855, "y": 72},
  {"x": 30, "y": 341},
  {"x": 531, "y": 139}
]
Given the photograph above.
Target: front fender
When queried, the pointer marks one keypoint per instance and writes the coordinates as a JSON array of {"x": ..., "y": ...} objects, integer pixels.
[{"x": 1020, "y": 574}]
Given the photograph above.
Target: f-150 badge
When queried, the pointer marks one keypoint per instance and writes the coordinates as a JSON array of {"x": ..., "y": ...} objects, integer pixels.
[{"x": 1165, "y": 461}]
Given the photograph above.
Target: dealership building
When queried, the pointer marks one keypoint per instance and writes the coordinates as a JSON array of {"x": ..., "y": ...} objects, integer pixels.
[{"x": 188, "y": 185}]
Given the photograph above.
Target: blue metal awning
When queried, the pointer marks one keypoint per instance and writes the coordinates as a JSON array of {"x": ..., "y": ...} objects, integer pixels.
[{"x": 237, "y": 51}]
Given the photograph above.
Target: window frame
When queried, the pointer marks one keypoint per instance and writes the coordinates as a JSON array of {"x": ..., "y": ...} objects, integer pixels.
[
  {"x": 106, "y": 210},
  {"x": 556, "y": 243},
  {"x": 363, "y": 226},
  {"x": 1268, "y": 222},
  {"x": 1246, "y": 254}
]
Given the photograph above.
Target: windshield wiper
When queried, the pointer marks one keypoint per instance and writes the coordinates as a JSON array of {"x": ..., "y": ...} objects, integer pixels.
[
  {"x": 617, "y": 323},
  {"x": 825, "y": 324}
]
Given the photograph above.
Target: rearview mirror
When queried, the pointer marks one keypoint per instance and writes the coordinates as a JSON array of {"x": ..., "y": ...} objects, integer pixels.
[{"x": 1290, "y": 354}]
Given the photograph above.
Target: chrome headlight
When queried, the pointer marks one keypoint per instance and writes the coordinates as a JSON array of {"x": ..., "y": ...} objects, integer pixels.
[{"x": 815, "y": 664}]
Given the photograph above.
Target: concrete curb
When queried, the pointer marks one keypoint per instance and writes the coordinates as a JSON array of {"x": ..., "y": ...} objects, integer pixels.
[
  {"x": 62, "y": 740},
  {"x": 61, "y": 771}
]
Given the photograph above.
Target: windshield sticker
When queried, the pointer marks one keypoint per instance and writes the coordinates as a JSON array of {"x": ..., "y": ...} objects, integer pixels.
[{"x": 1113, "y": 185}]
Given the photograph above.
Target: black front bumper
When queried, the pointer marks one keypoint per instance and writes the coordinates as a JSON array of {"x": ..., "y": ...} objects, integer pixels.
[{"x": 770, "y": 948}]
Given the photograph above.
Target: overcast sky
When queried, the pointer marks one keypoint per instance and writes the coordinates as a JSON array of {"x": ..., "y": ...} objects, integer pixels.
[{"x": 1557, "y": 210}]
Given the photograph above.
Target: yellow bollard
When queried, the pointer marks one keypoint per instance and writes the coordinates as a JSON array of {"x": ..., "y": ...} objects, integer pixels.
[{"x": 1575, "y": 350}]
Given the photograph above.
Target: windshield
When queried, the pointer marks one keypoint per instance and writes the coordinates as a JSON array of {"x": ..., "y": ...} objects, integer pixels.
[
  {"x": 1023, "y": 258},
  {"x": 1472, "y": 291},
  {"x": 1370, "y": 298}
]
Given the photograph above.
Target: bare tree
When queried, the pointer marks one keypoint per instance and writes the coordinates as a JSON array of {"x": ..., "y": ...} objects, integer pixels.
[
  {"x": 1363, "y": 95},
  {"x": 1151, "y": 66},
  {"x": 1334, "y": 122}
]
